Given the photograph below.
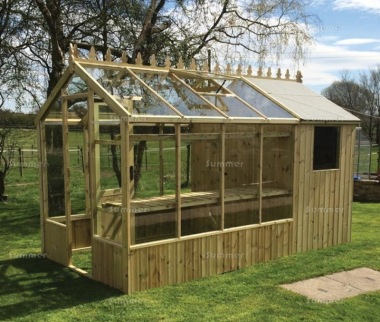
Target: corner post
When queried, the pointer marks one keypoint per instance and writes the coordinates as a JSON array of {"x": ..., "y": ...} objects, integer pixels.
[{"x": 66, "y": 174}]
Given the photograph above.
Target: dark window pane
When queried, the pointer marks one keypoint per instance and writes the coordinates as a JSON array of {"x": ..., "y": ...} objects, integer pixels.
[{"x": 326, "y": 146}]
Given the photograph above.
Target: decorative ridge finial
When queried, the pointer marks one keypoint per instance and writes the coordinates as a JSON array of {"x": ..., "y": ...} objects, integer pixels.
[{"x": 228, "y": 70}]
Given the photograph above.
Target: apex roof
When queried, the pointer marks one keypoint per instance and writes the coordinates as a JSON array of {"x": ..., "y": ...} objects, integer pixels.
[{"x": 176, "y": 94}]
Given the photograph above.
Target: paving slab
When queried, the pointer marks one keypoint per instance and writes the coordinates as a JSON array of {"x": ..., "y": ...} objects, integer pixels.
[{"x": 337, "y": 286}]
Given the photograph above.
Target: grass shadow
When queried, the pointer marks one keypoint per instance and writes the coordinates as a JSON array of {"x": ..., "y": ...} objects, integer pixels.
[{"x": 32, "y": 285}]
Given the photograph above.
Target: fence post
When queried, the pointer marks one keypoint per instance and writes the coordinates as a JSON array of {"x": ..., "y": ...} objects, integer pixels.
[
  {"x": 108, "y": 155},
  {"x": 146, "y": 157},
  {"x": 357, "y": 168},
  {"x": 81, "y": 154},
  {"x": 20, "y": 160},
  {"x": 187, "y": 165},
  {"x": 370, "y": 159}
]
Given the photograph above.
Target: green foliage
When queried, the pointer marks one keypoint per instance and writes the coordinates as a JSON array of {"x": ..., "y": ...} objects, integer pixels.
[
  {"x": 264, "y": 30},
  {"x": 13, "y": 119},
  {"x": 361, "y": 97}
]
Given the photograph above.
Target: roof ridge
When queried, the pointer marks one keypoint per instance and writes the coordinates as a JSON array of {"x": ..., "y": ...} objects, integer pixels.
[{"x": 228, "y": 70}]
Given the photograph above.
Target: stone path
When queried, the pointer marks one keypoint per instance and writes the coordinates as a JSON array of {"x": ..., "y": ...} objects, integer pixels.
[{"x": 338, "y": 286}]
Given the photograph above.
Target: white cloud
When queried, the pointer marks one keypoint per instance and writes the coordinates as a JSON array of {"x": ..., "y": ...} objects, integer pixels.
[
  {"x": 366, "y": 5},
  {"x": 327, "y": 61},
  {"x": 333, "y": 54},
  {"x": 356, "y": 41},
  {"x": 328, "y": 38},
  {"x": 317, "y": 2}
]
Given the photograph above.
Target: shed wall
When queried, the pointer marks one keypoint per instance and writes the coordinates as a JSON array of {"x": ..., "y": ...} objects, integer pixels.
[{"x": 322, "y": 199}]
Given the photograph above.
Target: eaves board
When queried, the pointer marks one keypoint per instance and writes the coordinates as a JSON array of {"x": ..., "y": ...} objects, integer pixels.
[{"x": 210, "y": 120}]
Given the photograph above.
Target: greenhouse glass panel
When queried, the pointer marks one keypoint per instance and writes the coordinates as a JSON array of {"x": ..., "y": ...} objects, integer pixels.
[
  {"x": 182, "y": 98},
  {"x": 231, "y": 106},
  {"x": 257, "y": 100},
  {"x": 277, "y": 173},
  {"x": 200, "y": 184},
  {"x": 153, "y": 178},
  {"x": 130, "y": 92},
  {"x": 242, "y": 175},
  {"x": 76, "y": 85},
  {"x": 53, "y": 164}
]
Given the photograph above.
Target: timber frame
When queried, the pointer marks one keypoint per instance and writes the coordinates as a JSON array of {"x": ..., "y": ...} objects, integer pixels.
[{"x": 189, "y": 173}]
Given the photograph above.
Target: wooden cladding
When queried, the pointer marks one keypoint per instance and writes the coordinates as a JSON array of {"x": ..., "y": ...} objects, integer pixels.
[
  {"x": 55, "y": 242},
  {"x": 107, "y": 263},
  {"x": 186, "y": 260},
  {"x": 322, "y": 199}
]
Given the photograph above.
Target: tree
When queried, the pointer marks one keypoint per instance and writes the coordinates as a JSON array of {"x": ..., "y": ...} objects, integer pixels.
[
  {"x": 7, "y": 153},
  {"x": 263, "y": 30},
  {"x": 269, "y": 29},
  {"x": 347, "y": 94},
  {"x": 14, "y": 67},
  {"x": 351, "y": 95},
  {"x": 371, "y": 81},
  {"x": 362, "y": 98}
]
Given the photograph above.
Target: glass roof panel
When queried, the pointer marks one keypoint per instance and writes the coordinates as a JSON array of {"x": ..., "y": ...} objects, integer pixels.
[
  {"x": 231, "y": 106},
  {"x": 201, "y": 85},
  {"x": 257, "y": 100},
  {"x": 55, "y": 110},
  {"x": 174, "y": 92},
  {"x": 76, "y": 106},
  {"x": 76, "y": 85},
  {"x": 227, "y": 103},
  {"x": 130, "y": 92}
]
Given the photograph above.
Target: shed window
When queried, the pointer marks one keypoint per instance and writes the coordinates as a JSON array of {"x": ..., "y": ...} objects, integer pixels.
[{"x": 326, "y": 147}]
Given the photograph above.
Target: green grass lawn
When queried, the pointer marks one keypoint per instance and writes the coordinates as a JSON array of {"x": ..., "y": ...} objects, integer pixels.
[{"x": 36, "y": 289}]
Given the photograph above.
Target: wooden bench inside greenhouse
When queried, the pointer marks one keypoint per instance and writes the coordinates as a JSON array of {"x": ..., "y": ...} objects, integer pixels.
[{"x": 191, "y": 199}]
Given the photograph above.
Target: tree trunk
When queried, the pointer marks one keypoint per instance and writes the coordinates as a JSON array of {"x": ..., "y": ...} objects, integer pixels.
[
  {"x": 115, "y": 161},
  {"x": 139, "y": 157},
  {"x": 378, "y": 145},
  {"x": 54, "y": 157},
  {"x": 2, "y": 186},
  {"x": 51, "y": 12}
]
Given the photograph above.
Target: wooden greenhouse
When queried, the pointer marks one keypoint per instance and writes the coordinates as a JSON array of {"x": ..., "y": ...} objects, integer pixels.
[{"x": 180, "y": 173}]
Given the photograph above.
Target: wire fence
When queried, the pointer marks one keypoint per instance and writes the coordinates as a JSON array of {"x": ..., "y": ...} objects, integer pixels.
[
  {"x": 366, "y": 164},
  {"x": 27, "y": 158},
  {"x": 366, "y": 157}
]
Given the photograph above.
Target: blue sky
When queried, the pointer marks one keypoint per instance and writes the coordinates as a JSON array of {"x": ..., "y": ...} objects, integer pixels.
[{"x": 349, "y": 39}]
